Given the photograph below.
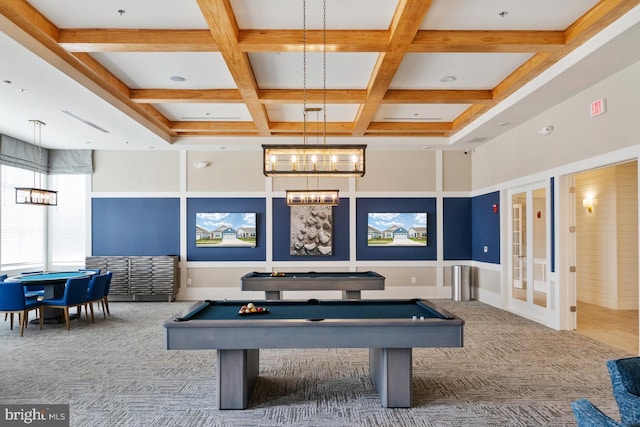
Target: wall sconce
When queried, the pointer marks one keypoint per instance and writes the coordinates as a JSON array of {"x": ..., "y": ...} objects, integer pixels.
[
  {"x": 313, "y": 197},
  {"x": 588, "y": 204},
  {"x": 201, "y": 165}
]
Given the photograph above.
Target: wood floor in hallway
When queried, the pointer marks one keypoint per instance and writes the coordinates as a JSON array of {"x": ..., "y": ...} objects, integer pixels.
[{"x": 618, "y": 328}]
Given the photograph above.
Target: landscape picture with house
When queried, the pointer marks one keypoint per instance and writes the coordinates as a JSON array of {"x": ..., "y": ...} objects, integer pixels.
[
  {"x": 225, "y": 229},
  {"x": 397, "y": 229}
]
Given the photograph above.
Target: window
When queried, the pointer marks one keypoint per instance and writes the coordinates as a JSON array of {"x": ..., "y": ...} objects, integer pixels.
[
  {"x": 68, "y": 220},
  {"x": 22, "y": 226}
]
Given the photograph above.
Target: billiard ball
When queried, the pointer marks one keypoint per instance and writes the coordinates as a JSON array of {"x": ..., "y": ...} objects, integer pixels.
[{"x": 250, "y": 306}]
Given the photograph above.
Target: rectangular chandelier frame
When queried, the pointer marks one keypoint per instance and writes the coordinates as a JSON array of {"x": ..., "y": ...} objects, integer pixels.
[
  {"x": 36, "y": 196},
  {"x": 314, "y": 160}
]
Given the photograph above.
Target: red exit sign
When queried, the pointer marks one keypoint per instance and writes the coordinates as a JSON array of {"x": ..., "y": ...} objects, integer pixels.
[{"x": 598, "y": 107}]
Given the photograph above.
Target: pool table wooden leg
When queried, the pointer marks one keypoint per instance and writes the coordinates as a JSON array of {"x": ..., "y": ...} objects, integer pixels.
[
  {"x": 237, "y": 373},
  {"x": 391, "y": 373}
]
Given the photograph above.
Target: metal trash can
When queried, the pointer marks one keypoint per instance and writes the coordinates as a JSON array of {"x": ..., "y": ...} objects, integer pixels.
[{"x": 461, "y": 283}]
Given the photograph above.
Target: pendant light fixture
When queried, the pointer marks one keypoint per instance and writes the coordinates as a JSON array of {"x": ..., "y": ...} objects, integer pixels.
[{"x": 36, "y": 195}]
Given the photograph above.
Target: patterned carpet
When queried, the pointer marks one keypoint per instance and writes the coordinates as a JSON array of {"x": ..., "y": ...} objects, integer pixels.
[{"x": 511, "y": 372}]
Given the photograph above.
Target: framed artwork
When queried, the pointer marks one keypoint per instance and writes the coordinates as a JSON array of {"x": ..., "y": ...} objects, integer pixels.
[
  {"x": 225, "y": 229},
  {"x": 311, "y": 230},
  {"x": 388, "y": 229}
]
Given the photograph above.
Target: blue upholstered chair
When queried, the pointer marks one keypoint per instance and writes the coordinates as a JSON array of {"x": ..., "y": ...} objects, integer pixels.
[
  {"x": 75, "y": 295},
  {"x": 105, "y": 298},
  {"x": 33, "y": 291},
  {"x": 625, "y": 381},
  {"x": 95, "y": 293},
  {"x": 12, "y": 301}
]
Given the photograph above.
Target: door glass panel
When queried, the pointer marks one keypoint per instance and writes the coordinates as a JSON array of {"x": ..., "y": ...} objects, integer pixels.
[
  {"x": 540, "y": 283},
  {"x": 519, "y": 246}
]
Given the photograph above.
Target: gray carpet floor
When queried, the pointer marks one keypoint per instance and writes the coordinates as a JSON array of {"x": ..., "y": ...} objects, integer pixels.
[{"x": 511, "y": 372}]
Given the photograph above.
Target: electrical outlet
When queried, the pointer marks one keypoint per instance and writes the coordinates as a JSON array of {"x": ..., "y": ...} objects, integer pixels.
[
  {"x": 413, "y": 280},
  {"x": 485, "y": 249},
  {"x": 188, "y": 281}
]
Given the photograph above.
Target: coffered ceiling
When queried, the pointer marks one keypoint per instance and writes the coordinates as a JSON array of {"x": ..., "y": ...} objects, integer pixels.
[{"x": 229, "y": 73}]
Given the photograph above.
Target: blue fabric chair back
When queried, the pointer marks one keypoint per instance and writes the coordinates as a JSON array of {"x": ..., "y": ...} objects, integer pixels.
[
  {"x": 625, "y": 380},
  {"x": 96, "y": 287},
  {"x": 11, "y": 297},
  {"x": 75, "y": 292},
  {"x": 108, "y": 284}
]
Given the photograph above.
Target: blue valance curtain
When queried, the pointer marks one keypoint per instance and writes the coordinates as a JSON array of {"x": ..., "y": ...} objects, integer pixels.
[{"x": 20, "y": 154}]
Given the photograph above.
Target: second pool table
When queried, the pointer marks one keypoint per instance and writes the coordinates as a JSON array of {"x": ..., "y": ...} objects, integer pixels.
[
  {"x": 351, "y": 283},
  {"x": 389, "y": 328}
]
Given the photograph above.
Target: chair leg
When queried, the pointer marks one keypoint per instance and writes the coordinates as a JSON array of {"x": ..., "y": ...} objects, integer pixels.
[
  {"x": 93, "y": 319},
  {"x": 22, "y": 319},
  {"x": 66, "y": 317},
  {"x": 11, "y": 320},
  {"x": 40, "y": 313},
  {"x": 106, "y": 304},
  {"x": 104, "y": 312}
]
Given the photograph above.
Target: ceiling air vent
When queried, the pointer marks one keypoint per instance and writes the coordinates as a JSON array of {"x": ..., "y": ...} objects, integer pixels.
[
  {"x": 85, "y": 121},
  {"x": 477, "y": 139}
]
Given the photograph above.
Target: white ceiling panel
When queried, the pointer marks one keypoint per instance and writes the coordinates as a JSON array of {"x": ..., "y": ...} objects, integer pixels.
[
  {"x": 520, "y": 14},
  {"x": 149, "y": 14},
  {"x": 286, "y": 70},
  {"x": 340, "y": 14},
  {"x": 471, "y": 70},
  {"x": 154, "y": 69},
  {"x": 419, "y": 112},
  {"x": 295, "y": 112},
  {"x": 205, "y": 112}
]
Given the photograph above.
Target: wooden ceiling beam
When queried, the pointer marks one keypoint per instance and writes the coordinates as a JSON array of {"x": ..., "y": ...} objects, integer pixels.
[
  {"x": 402, "y": 127},
  {"x": 224, "y": 28},
  {"x": 438, "y": 96},
  {"x": 313, "y": 128},
  {"x": 315, "y": 96},
  {"x": 186, "y": 96},
  {"x": 405, "y": 23},
  {"x": 425, "y": 41},
  {"x": 486, "y": 41},
  {"x": 293, "y": 40},
  {"x": 213, "y": 127},
  {"x": 119, "y": 40}
]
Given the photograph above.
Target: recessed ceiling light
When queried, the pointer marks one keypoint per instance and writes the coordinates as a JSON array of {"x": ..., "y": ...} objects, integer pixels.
[
  {"x": 177, "y": 78},
  {"x": 448, "y": 79}
]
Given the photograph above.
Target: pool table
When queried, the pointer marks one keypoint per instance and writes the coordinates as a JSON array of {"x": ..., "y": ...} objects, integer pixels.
[
  {"x": 390, "y": 329},
  {"x": 53, "y": 283},
  {"x": 349, "y": 282}
]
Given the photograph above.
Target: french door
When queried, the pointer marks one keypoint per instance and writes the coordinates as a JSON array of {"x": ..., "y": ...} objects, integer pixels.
[{"x": 529, "y": 249}]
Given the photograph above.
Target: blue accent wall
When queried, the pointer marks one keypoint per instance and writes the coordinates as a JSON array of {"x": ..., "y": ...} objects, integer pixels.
[
  {"x": 236, "y": 205},
  {"x": 282, "y": 227},
  {"x": 456, "y": 228},
  {"x": 364, "y": 206},
  {"x": 135, "y": 226},
  {"x": 485, "y": 226}
]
